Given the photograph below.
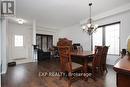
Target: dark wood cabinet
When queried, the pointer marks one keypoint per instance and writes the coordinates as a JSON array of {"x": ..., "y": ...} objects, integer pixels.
[
  {"x": 123, "y": 80},
  {"x": 122, "y": 69}
]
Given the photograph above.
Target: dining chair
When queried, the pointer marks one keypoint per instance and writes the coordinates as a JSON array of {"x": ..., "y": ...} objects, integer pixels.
[
  {"x": 103, "y": 59},
  {"x": 66, "y": 64},
  {"x": 95, "y": 65}
]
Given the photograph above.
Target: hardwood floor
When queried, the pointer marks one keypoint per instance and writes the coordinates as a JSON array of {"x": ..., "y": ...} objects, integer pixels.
[{"x": 27, "y": 75}]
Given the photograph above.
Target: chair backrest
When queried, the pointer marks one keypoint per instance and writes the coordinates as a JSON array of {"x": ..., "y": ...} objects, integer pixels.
[
  {"x": 65, "y": 42},
  {"x": 65, "y": 58},
  {"x": 104, "y": 54},
  {"x": 75, "y": 46},
  {"x": 97, "y": 56}
]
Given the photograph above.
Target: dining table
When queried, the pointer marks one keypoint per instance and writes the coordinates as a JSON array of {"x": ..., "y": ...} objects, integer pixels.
[
  {"x": 85, "y": 55},
  {"x": 82, "y": 54}
]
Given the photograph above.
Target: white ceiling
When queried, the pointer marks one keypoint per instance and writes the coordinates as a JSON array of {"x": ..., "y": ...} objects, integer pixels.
[{"x": 62, "y": 13}]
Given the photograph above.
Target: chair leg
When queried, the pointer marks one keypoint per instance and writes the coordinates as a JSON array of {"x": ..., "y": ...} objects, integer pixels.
[
  {"x": 101, "y": 70},
  {"x": 93, "y": 75},
  {"x": 106, "y": 68},
  {"x": 60, "y": 77},
  {"x": 69, "y": 81}
]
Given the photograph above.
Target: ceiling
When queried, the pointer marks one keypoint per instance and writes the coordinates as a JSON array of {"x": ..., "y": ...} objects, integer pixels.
[{"x": 62, "y": 13}]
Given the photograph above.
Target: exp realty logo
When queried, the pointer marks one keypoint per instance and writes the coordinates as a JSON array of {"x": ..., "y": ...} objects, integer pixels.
[{"x": 8, "y": 8}]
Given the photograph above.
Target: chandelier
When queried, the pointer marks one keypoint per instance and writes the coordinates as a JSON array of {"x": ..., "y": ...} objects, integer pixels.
[{"x": 89, "y": 27}]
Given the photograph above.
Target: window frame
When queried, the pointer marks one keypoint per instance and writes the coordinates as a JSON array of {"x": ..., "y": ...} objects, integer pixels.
[{"x": 104, "y": 35}]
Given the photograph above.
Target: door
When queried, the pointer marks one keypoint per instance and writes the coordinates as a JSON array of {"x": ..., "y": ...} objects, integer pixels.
[
  {"x": 18, "y": 46},
  {"x": 21, "y": 44}
]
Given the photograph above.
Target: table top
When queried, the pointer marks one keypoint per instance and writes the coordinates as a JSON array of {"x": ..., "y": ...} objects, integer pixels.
[
  {"x": 123, "y": 66},
  {"x": 81, "y": 53}
]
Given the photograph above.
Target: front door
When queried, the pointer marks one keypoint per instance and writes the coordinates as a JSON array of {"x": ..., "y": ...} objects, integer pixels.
[
  {"x": 19, "y": 48},
  {"x": 21, "y": 43}
]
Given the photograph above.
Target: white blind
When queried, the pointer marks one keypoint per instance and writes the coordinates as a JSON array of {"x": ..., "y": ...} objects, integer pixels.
[
  {"x": 112, "y": 38},
  {"x": 97, "y": 37},
  {"x": 109, "y": 37}
]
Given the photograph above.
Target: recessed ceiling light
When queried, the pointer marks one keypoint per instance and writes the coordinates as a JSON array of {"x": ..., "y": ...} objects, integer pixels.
[{"x": 20, "y": 21}]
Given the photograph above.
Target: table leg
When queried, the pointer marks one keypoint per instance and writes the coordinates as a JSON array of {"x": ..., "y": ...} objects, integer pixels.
[{"x": 85, "y": 68}]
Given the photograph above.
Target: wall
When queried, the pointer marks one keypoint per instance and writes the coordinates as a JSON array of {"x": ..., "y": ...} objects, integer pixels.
[
  {"x": 48, "y": 32},
  {"x": 124, "y": 18},
  {"x": 75, "y": 33},
  {"x": 4, "y": 45},
  {"x": 0, "y": 43},
  {"x": 27, "y": 30},
  {"x": 0, "y": 47}
]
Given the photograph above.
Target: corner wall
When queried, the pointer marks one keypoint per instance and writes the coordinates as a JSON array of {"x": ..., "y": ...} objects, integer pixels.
[
  {"x": 27, "y": 30},
  {"x": 0, "y": 50},
  {"x": 0, "y": 44},
  {"x": 4, "y": 50}
]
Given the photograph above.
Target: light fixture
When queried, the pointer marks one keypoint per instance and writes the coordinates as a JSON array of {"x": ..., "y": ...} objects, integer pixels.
[
  {"x": 20, "y": 21},
  {"x": 89, "y": 27}
]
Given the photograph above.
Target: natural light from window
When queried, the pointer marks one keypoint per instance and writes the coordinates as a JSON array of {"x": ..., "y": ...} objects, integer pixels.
[
  {"x": 108, "y": 35},
  {"x": 97, "y": 38},
  {"x": 18, "y": 40},
  {"x": 112, "y": 38}
]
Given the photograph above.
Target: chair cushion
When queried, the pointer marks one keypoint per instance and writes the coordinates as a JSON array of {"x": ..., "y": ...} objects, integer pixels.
[
  {"x": 76, "y": 65},
  {"x": 90, "y": 64}
]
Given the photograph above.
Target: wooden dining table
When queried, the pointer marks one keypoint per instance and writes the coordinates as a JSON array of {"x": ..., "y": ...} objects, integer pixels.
[
  {"x": 85, "y": 55},
  {"x": 82, "y": 54}
]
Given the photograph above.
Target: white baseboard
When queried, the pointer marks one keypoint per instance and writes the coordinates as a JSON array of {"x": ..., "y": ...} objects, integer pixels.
[{"x": 21, "y": 61}]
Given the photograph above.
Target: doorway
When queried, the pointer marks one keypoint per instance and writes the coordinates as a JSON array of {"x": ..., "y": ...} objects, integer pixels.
[{"x": 44, "y": 42}]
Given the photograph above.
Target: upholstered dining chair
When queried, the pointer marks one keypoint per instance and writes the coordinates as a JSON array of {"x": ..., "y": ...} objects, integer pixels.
[
  {"x": 66, "y": 64},
  {"x": 95, "y": 65},
  {"x": 103, "y": 59}
]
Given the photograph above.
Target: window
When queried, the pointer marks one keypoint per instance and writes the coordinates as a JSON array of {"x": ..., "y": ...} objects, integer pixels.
[
  {"x": 18, "y": 40},
  {"x": 97, "y": 37},
  {"x": 108, "y": 35},
  {"x": 112, "y": 38}
]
